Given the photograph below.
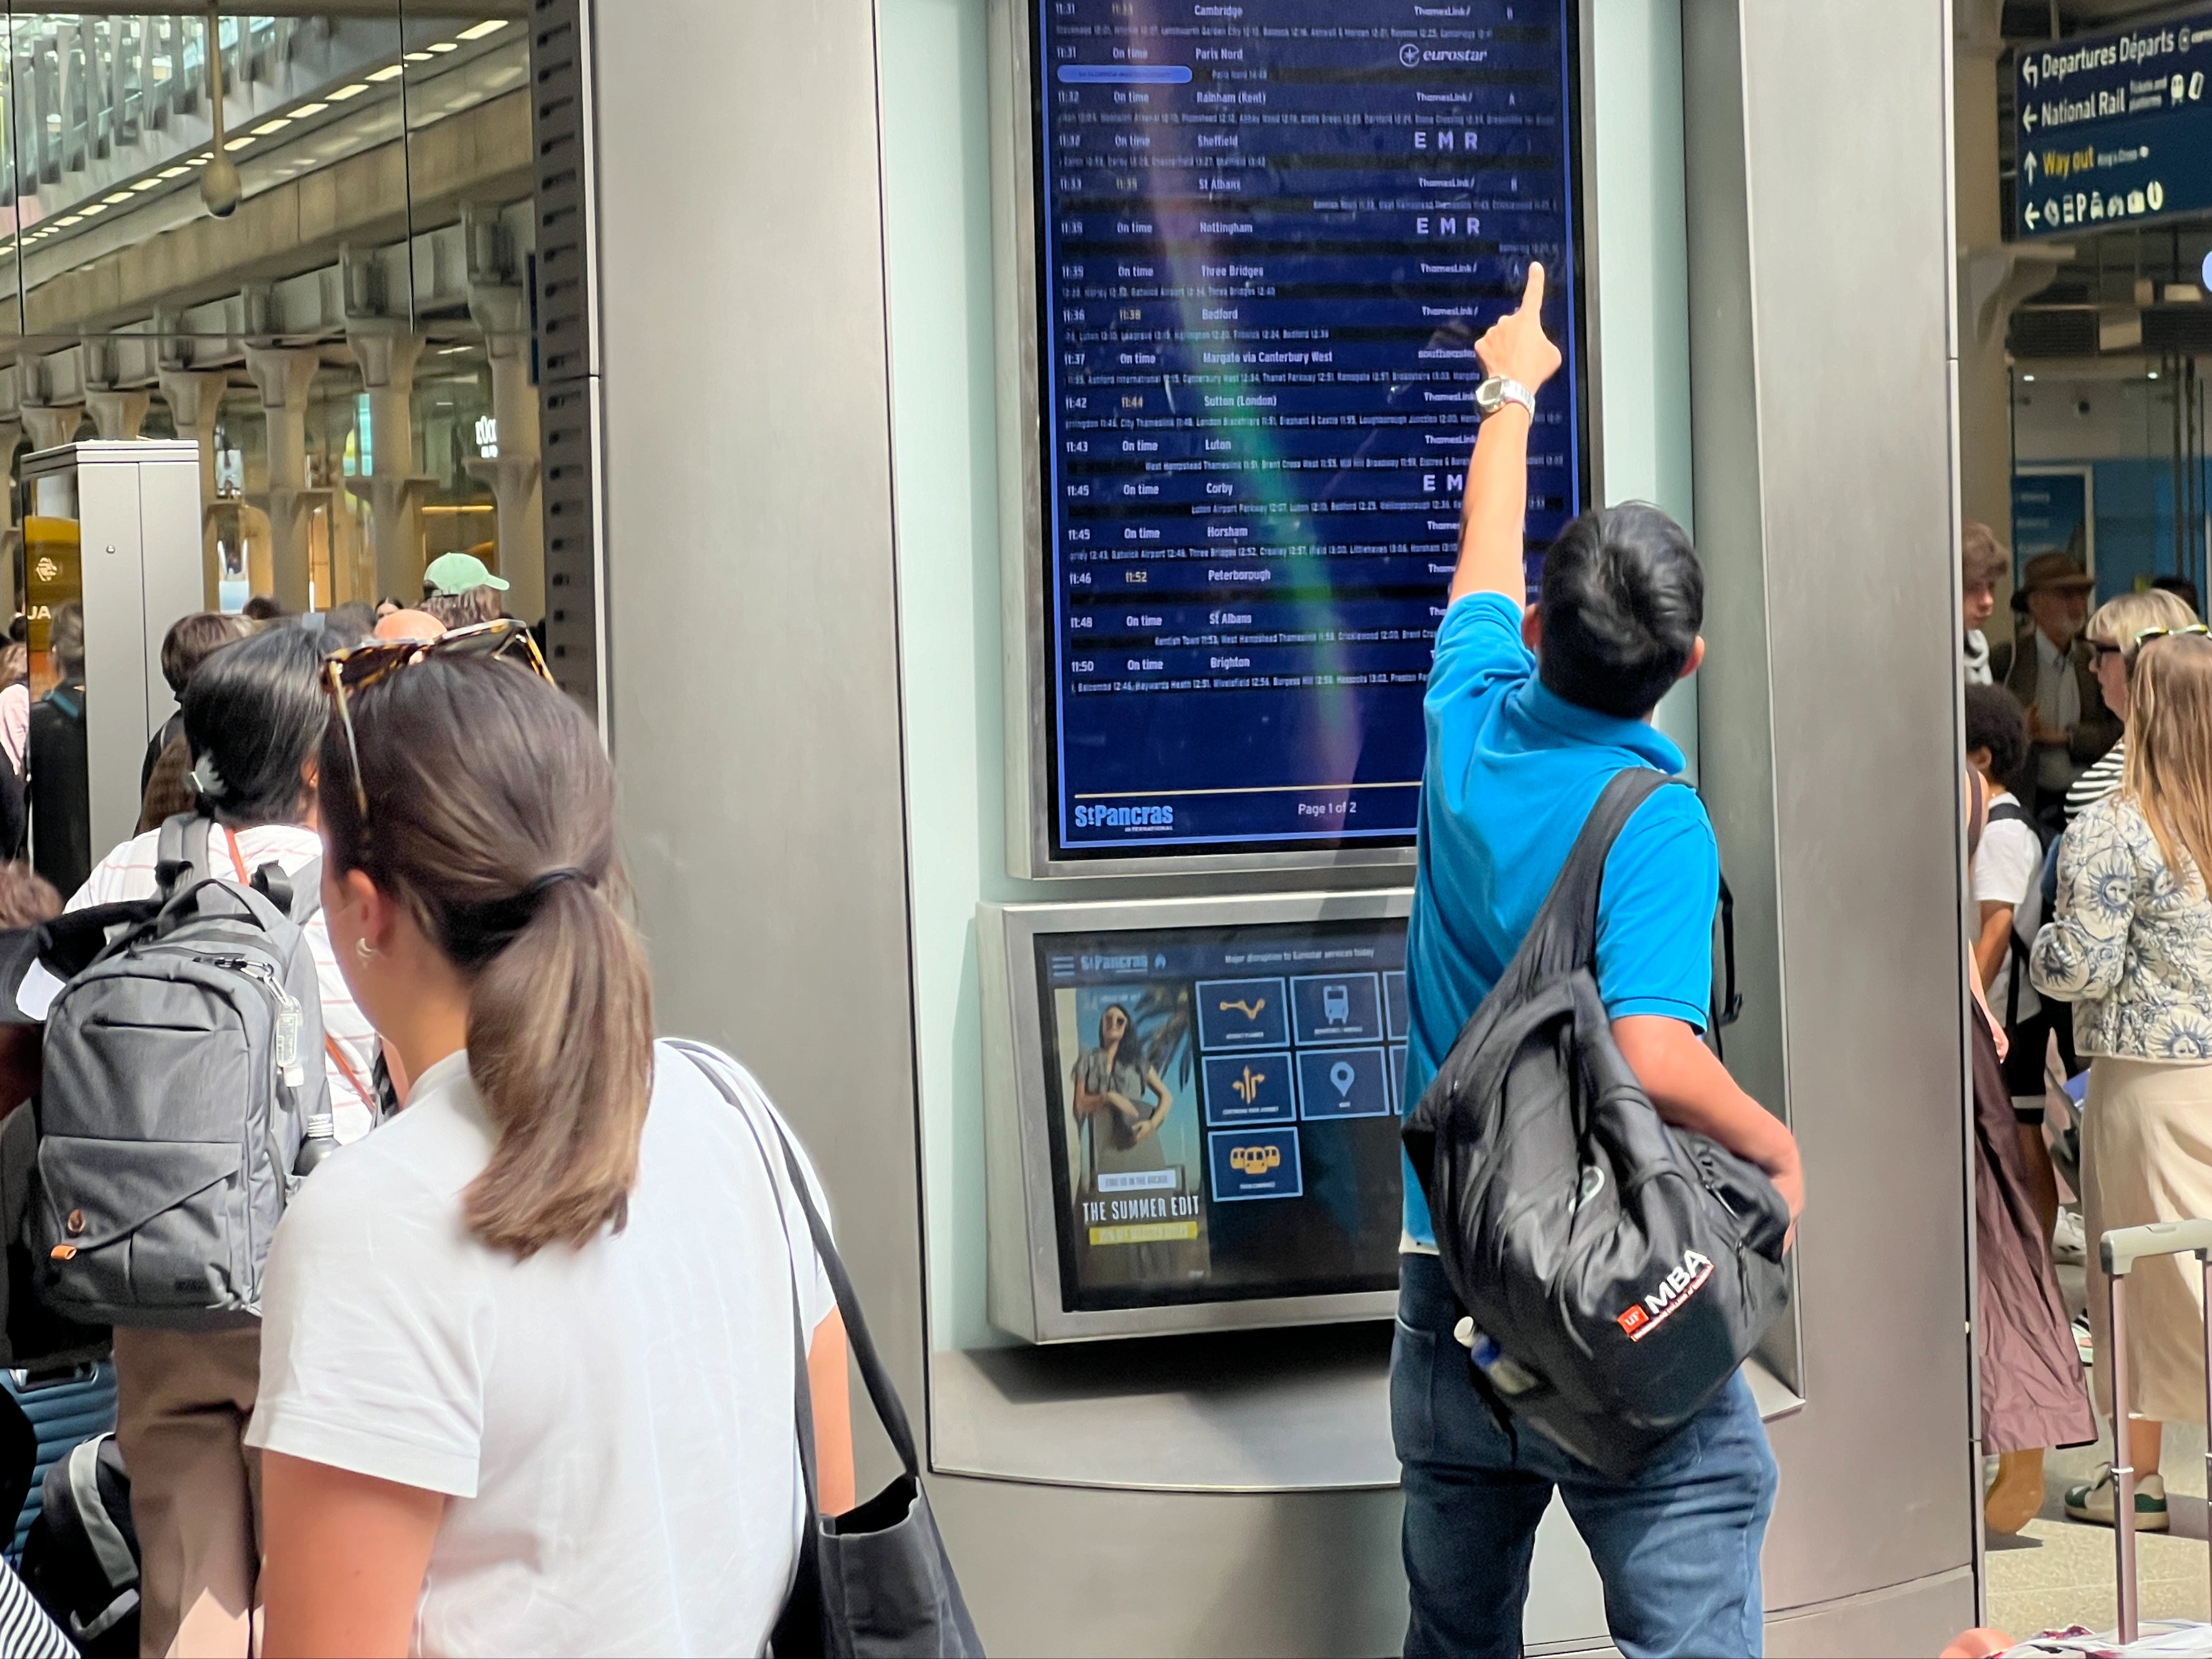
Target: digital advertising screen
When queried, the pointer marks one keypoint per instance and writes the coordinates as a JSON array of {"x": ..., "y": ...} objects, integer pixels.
[
  {"x": 1268, "y": 234},
  {"x": 1225, "y": 1110}
]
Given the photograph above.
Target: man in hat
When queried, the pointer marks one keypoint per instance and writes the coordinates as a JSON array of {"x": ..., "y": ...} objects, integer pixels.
[
  {"x": 460, "y": 589},
  {"x": 2052, "y": 672}
]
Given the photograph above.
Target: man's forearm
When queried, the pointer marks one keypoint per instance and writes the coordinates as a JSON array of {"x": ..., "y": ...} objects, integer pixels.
[
  {"x": 1690, "y": 1088},
  {"x": 1492, "y": 532}
]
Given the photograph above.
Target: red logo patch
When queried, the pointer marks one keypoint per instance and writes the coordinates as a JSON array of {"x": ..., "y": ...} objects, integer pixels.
[{"x": 1633, "y": 1321}]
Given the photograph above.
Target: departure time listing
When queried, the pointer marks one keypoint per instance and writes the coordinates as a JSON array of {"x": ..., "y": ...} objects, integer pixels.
[{"x": 1270, "y": 232}]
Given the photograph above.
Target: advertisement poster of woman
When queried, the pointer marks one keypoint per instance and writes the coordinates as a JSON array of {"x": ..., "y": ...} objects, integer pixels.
[{"x": 1133, "y": 1142}]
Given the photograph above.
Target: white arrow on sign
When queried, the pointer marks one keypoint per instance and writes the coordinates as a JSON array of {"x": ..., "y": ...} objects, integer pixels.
[
  {"x": 2027, "y": 118},
  {"x": 2031, "y": 166},
  {"x": 2033, "y": 217},
  {"x": 2029, "y": 71}
]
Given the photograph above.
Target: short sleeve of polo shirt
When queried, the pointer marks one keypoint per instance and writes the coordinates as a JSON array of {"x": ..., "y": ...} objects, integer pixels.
[
  {"x": 1654, "y": 920},
  {"x": 1478, "y": 657}
]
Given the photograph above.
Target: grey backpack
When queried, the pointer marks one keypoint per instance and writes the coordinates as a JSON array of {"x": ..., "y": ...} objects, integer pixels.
[{"x": 183, "y": 1098}]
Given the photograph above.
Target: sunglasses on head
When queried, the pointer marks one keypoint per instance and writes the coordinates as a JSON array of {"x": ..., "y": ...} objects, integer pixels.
[
  {"x": 358, "y": 667},
  {"x": 2104, "y": 649}
]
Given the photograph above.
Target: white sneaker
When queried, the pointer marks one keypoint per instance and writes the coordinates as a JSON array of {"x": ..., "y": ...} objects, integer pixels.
[
  {"x": 2070, "y": 1241},
  {"x": 2084, "y": 1344}
]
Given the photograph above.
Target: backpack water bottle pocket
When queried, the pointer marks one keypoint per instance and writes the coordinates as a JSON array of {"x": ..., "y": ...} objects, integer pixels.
[{"x": 140, "y": 1232}]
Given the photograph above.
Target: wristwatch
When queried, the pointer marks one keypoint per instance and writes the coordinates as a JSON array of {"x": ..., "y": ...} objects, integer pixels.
[{"x": 1494, "y": 393}]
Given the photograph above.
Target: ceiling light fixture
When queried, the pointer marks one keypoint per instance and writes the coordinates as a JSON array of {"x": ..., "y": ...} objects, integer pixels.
[
  {"x": 117, "y": 196},
  {"x": 73, "y": 219},
  {"x": 383, "y": 73},
  {"x": 489, "y": 25},
  {"x": 221, "y": 188},
  {"x": 173, "y": 173},
  {"x": 305, "y": 110},
  {"x": 354, "y": 90},
  {"x": 268, "y": 127},
  {"x": 198, "y": 161},
  {"x": 445, "y": 45},
  {"x": 91, "y": 208},
  {"x": 147, "y": 184},
  {"x": 418, "y": 56}
]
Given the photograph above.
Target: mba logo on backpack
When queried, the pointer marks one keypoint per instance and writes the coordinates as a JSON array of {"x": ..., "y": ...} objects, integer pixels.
[
  {"x": 184, "y": 1096},
  {"x": 1617, "y": 1270}
]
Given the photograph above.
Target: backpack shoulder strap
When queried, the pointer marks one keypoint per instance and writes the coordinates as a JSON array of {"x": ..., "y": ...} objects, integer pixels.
[
  {"x": 1566, "y": 929},
  {"x": 2009, "y": 811},
  {"x": 181, "y": 855}
]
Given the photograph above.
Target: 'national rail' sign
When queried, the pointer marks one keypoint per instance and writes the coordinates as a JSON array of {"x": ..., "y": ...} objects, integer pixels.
[{"x": 2113, "y": 127}]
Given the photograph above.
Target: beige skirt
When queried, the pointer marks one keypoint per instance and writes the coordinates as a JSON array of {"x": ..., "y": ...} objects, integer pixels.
[{"x": 2146, "y": 1156}]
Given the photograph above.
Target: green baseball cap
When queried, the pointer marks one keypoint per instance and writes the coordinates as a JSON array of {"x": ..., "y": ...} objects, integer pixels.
[{"x": 457, "y": 573}]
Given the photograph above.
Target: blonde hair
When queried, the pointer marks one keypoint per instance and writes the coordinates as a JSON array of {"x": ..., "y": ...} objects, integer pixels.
[
  {"x": 2117, "y": 622},
  {"x": 1981, "y": 557},
  {"x": 2169, "y": 766}
]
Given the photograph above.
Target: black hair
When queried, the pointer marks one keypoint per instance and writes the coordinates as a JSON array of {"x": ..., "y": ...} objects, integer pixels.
[
  {"x": 2182, "y": 588},
  {"x": 1622, "y": 600},
  {"x": 254, "y": 714},
  {"x": 1993, "y": 722},
  {"x": 347, "y": 624}
]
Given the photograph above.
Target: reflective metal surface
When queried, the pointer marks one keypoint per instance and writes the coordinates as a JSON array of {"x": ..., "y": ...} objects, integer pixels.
[{"x": 1822, "y": 361}]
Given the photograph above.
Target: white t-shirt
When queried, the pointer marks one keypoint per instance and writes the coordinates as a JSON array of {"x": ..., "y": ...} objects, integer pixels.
[
  {"x": 614, "y": 1424},
  {"x": 2008, "y": 870},
  {"x": 128, "y": 873}
]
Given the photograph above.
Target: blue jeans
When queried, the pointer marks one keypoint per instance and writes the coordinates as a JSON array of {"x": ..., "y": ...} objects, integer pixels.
[{"x": 1677, "y": 1546}]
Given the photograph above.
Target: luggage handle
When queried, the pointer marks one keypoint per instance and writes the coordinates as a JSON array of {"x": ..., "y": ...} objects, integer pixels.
[{"x": 2118, "y": 1252}]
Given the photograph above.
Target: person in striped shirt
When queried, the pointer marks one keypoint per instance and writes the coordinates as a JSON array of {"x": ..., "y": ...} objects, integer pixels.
[
  {"x": 254, "y": 714},
  {"x": 2112, "y": 636}
]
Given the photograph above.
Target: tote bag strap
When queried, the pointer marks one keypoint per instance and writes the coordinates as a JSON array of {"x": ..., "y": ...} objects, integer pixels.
[{"x": 882, "y": 1393}]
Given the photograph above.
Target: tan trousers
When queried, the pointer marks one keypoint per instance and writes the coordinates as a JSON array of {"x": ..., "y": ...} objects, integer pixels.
[
  {"x": 183, "y": 1402},
  {"x": 2146, "y": 1156}
]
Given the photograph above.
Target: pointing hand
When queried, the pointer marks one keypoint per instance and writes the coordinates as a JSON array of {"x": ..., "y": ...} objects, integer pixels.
[{"x": 1515, "y": 346}]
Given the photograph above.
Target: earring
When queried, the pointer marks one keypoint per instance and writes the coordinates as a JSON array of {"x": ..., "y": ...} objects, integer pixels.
[{"x": 363, "y": 949}]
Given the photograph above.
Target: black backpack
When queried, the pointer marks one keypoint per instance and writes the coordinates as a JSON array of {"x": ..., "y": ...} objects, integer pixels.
[
  {"x": 1619, "y": 1269},
  {"x": 81, "y": 1559}
]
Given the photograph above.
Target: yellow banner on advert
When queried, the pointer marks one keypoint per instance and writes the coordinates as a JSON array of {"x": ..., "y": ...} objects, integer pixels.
[{"x": 1144, "y": 1232}]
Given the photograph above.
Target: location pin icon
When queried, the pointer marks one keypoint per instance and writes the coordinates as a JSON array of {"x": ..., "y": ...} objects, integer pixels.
[{"x": 1343, "y": 1076}]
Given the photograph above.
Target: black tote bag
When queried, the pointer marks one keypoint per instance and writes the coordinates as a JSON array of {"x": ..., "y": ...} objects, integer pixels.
[{"x": 874, "y": 1583}]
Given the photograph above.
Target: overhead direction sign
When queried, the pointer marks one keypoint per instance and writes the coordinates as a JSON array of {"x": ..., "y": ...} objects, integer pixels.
[{"x": 2114, "y": 127}]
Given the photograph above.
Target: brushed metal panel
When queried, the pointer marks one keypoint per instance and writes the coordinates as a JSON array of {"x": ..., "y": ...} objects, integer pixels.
[
  {"x": 753, "y": 654},
  {"x": 1819, "y": 146}
]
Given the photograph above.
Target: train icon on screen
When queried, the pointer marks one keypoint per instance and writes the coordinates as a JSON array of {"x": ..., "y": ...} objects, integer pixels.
[{"x": 1336, "y": 1003}]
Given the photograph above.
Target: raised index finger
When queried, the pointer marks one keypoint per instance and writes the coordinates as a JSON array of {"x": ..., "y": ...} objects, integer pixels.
[{"x": 1532, "y": 298}]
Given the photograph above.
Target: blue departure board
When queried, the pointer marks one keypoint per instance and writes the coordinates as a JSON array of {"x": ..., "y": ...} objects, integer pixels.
[{"x": 1268, "y": 234}]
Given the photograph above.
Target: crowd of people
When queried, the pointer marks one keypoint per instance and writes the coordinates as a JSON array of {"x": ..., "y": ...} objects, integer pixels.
[
  {"x": 463, "y": 1421},
  {"x": 466, "y": 1417},
  {"x": 2089, "y": 738}
]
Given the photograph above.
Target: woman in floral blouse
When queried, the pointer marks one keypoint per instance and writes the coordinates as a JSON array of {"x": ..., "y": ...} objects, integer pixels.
[{"x": 2131, "y": 947}]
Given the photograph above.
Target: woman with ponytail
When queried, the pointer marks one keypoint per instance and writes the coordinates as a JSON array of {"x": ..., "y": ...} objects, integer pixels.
[{"x": 528, "y": 1370}]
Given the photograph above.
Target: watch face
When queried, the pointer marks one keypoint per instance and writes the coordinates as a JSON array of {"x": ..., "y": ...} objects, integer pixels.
[{"x": 1488, "y": 396}]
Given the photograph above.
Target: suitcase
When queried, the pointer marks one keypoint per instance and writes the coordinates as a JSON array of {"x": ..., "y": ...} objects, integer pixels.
[
  {"x": 66, "y": 1407},
  {"x": 2118, "y": 1251}
]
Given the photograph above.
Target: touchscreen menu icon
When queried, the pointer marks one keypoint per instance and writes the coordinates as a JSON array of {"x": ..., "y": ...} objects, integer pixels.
[
  {"x": 1337, "y": 1008},
  {"x": 1249, "y": 1089},
  {"x": 1397, "y": 1008},
  {"x": 1243, "y": 1013},
  {"x": 1342, "y": 1082},
  {"x": 1249, "y": 1163}
]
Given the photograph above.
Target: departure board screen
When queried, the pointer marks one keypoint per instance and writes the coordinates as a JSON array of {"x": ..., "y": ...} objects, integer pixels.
[{"x": 1269, "y": 233}]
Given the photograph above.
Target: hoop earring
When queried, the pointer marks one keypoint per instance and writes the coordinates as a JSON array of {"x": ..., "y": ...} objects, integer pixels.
[{"x": 363, "y": 949}]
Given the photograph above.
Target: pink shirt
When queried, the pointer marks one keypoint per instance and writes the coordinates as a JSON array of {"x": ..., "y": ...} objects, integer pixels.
[{"x": 16, "y": 723}]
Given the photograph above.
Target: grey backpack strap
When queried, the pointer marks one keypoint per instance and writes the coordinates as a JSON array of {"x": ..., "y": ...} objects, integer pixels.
[
  {"x": 299, "y": 895},
  {"x": 108, "y": 1547},
  {"x": 180, "y": 857}
]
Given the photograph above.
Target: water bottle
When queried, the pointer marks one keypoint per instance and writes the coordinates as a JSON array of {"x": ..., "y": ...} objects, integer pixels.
[
  {"x": 322, "y": 1140},
  {"x": 1507, "y": 1377}
]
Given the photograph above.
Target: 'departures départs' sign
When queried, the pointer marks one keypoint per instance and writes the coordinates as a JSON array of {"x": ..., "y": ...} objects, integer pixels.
[{"x": 2114, "y": 126}]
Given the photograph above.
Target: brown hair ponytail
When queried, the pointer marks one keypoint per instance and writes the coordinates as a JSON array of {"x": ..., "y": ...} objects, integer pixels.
[{"x": 491, "y": 818}]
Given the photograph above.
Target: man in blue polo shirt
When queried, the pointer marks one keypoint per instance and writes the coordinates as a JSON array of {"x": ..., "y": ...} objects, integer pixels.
[{"x": 1528, "y": 716}]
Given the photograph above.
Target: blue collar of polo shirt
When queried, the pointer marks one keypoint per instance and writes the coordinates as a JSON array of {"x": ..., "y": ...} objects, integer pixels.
[{"x": 1544, "y": 706}]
